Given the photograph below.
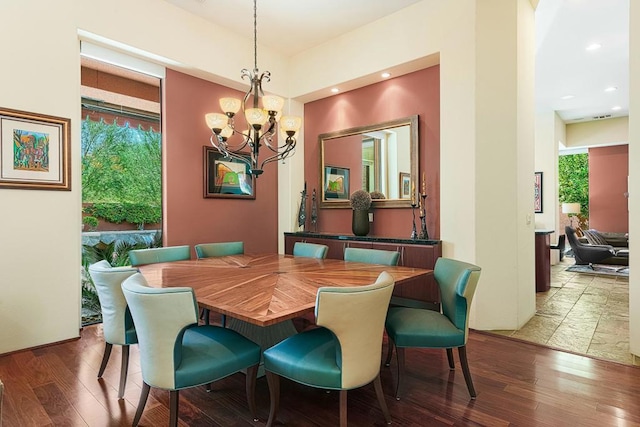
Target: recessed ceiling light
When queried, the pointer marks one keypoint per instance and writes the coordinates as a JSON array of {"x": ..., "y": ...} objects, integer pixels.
[
  {"x": 386, "y": 75},
  {"x": 616, "y": 108},
  {"x": 594, "y": 46},
  {"x": 335, "y": 90},
  {"x": 611, "y": 89},
  {"x": 567, "y": 97}
]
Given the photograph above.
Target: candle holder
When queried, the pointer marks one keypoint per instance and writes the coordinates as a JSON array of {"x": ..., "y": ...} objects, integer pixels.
[
  {"x": 314, "y": 212},
  {"x": 414, "y": 233},
  {"x": 424, "y": 234}
]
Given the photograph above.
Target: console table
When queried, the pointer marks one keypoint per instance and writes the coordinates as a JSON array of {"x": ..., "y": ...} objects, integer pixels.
[
  {"x": 543, "y": 261},
  {"x": 419, "y": 253}
]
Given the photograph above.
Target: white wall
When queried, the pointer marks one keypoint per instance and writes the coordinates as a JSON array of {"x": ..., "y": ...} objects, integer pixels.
[
  {"x": 598, "y": 133},
  {"x": 548, "y": 124}
]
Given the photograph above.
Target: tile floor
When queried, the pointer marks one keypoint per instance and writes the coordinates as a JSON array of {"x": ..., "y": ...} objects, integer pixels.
[{"x": 582, "y": 313}]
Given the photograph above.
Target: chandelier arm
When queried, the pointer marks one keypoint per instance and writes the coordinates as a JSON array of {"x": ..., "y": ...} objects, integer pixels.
[{"x": 277, "y": 157}]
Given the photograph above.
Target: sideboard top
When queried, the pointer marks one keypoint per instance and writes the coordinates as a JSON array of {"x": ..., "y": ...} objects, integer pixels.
[{"x": 351, "y": 237}]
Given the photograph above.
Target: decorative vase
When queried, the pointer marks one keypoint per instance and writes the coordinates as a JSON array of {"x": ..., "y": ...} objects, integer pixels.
[{"x": 360, "y": 222}]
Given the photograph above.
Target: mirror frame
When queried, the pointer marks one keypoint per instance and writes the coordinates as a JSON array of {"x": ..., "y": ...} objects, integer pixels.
[{"x": 412, "y": 121}]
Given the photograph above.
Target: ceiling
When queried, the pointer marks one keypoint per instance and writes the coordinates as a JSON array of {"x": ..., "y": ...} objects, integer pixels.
[{"x": 564, "y": 28}]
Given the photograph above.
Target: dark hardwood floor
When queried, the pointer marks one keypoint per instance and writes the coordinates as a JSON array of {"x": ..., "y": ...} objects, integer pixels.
[{"x": 518, "y": 383}]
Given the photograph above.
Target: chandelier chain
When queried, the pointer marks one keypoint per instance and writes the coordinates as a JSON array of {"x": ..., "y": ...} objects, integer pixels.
[{"x": 255, "y": 34}]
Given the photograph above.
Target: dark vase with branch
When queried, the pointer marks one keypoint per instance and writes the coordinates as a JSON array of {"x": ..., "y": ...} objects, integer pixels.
[{"x": 360, "y": 201}]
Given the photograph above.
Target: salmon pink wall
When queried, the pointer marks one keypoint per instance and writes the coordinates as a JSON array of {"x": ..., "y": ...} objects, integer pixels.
[
  {"x": 189, "y": 218},
  {"x": 414, "y": 93},
  {"x": 608, "y": 171}
]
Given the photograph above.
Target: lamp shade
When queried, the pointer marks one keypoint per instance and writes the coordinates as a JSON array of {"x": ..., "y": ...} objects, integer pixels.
[
  {"x": 216, "y": 121},
  {"x": 571, "y": 208}
]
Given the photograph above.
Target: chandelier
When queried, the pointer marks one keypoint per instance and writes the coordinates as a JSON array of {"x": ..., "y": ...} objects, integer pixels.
[{"x": 261, "y": 120}]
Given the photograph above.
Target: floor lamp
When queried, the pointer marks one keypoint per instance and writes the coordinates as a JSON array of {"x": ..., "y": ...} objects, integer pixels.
[{"x": 571, "y": 208}]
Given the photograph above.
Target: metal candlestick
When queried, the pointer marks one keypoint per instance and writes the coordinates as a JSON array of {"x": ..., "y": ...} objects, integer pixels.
[
  {"x": 414, "y": 233},
  {"x": 424, "y": 234}
]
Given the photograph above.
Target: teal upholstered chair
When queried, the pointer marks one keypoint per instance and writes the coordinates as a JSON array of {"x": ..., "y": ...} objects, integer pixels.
[
  {"x": 210, "y": 250},
  {"x": 343, "y": 353},
  {"x": 310, "y": 250},
  {"x": 176, "y": 353},
  {"x": 207, "y": 250},
  {"x": 414, "y": 327},
  {"x": 117, "y": 324},
  {"x": 155, "y": 255},
  {"x": 372, "y": 256}
]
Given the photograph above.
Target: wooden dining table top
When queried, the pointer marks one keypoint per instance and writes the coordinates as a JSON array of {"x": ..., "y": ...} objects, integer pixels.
[{"x": 265, "y": 289}]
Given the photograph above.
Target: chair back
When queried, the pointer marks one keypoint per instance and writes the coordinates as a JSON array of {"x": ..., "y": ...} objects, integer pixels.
[
  {"x": 571, "y": 237},
  {"x": 208, "y": 250},
  {"x": 372, "y": 256},
  {"x": 310, "y": 250},
  {"x": 155, "y": 255},
  {"x": 117, "y": 323},
  {"x": 457, "y": 281},
  {"x": 161, "y": 316},
  {"x": 356, "y": 316}
]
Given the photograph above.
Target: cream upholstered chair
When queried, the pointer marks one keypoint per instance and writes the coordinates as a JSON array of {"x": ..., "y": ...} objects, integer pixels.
[
  {"x": 155, "y": 255},
  {"x": 176, "y": 353},
  {"x": 343, "y": 353},
  {"x": 416, "y": 327},
  {"x": 208, "y": 250},
  {"x": 372, "y": 256},
  {"x": 310, "y": 250},
  {"x": 117, "y": 323},
  {"x": 211, "y": 250}
]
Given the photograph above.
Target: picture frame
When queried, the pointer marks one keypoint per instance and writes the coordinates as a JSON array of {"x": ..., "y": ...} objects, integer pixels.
[
  {"x": 537, "y": 192},
  {"x": 34, "y": 151},
  {"x": 405, "y": 185},
  {"x": 337, "y": 183},
  {"x": 227, "y": 177}
]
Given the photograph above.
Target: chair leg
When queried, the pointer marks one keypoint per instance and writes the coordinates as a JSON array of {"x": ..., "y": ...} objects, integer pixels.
[
  {"x": 343, "y": 408},
  {"x": 452, "y": 365},
  {"x": 174, "y": 399},
  {"x": 274, "y": 394},
  {"x": 105, "y": 358},
  {"x": 124, "y": 368},
  {"x": 252, "y": 374},
  {"x": 462, "y": 352},
  {"x": 390, "y": 346},
  {"x": 144, "y": 394},
  {"x": 383, "y": 405},
  {"x": 205, "y": 315},
  {"x": 400, "y": 356}
]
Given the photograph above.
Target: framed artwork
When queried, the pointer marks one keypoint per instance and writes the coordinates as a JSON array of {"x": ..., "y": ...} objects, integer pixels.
[
  {"x": 537, "y": 193},
  {"x": 227, "y": 177},
  {"x": 336, "y": 183},
  {"x": 34, "y": 151},
  {"x": 405, "y": 185}
]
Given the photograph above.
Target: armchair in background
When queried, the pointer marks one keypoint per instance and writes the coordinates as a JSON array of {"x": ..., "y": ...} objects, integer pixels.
[{"x": 587, "y": 254}]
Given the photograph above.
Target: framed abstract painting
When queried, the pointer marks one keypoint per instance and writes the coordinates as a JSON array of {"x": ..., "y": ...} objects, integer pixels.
[
  {"x": 34, "y": 151},
  {"x": 537, "y": 193},
  {"x": 337, "y": 183},
  {"x": 227, "y": 177}
]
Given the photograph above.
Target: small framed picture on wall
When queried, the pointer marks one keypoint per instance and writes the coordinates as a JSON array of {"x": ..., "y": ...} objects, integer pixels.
[{"x": 537, "y": 192}]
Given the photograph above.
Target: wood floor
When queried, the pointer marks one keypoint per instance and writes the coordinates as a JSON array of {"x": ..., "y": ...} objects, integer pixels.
[{"x": 518, "y": 383}]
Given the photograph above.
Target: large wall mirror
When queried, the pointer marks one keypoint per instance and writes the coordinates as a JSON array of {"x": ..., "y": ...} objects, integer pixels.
[{"x": 380, "y": 158}]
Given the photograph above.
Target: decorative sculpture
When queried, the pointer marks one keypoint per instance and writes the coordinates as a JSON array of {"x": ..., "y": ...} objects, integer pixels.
[
  {"x": 302, "y": 211},
  {"x": 422, "y": 202},
  {"x": 314, "y": 211}
]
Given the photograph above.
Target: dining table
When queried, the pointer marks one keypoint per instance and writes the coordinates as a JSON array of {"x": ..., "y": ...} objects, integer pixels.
[{"x": 261, "y": 293}]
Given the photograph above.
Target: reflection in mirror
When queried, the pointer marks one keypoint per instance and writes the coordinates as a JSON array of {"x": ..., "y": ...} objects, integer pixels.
[{"x": 381, "y": 159}]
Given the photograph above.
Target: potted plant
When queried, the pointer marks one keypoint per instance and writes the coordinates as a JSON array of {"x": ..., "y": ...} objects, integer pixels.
[{"x": 360, "y": 202}]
